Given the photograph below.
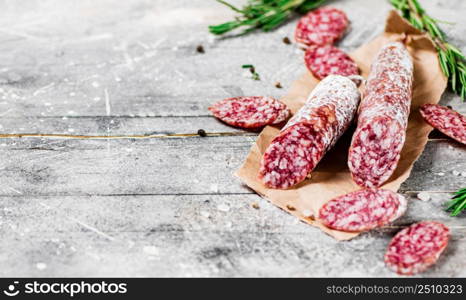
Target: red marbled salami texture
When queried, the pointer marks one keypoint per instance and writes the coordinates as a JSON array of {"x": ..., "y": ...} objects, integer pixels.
[
  {"x": 446, "y": 120},
  {"x": 417, "y": 247},
  {"x": 325, "y": 60},
  {"x": 383, "y": 117},
  {"x": 362, "y": 210},
  {"x": 310, "y": 133},
  {"x": 321, "y": 26},
  {"x": 250, "y": 112},
  {"x": 292, "y": 155}
]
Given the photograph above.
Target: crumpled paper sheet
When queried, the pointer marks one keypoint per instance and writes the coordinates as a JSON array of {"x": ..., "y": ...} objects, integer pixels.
[{"x": 332, "y": 178}]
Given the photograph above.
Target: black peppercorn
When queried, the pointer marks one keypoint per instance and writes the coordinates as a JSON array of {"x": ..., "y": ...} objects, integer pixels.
[
  {"x": 200, "y": 49},
  {"x": 201, "y": 132}
]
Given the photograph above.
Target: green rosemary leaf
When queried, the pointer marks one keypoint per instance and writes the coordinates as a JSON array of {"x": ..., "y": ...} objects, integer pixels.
[
  {"x": 458, "y": 203},
  {"x": 455, "y": 50},
  {"x": 452, "y": 60},
  {"x": 443, "y": 64},
  {"x": 263, "y": 14}
]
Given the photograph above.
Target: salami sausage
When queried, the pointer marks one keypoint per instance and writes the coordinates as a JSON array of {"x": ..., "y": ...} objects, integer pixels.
[
  {"x": 363, "y": 210},
  {"x": 448, "y": 121},
  {"x": 321, "y": 26},
  {"x": 310, "y": 133},
  {"x": 250, "y": 112},
  {"x": 325, "y": 60},
  {"x": 417, "y": 247},
  {"x": 383, "y": 117}
]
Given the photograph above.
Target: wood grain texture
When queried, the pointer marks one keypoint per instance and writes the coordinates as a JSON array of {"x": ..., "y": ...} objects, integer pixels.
[
  {"x": 195, "y": 165},
  {"x": 170, "y": 207},
  {"x": 209, "y": 235}
]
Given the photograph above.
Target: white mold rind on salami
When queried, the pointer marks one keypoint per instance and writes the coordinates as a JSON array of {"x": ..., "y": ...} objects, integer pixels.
[
  {"x": 447, "y": 121},
  {"x": 363, "y": 210},
  {"x": 310, "y": 133},
  {"x": 383, "y": 117},
  {"x": 417, "y": 247}
]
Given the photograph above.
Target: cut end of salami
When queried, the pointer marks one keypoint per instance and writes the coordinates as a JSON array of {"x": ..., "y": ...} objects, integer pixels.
[
  {"x": 417, "y": 247},
  {"x": 321, "y": 26},
  {"x": 329, "y": 60},
  {"x": 363, "y": 210},
  {"x": 375, "y": 151},
  {"x": 291, "y": 156},
  {"x": 283, "y": 115},
  {"x": 250, "y": 112},
  {"x": 446, "y": 120},
  {"x": 312, "y": 131}
]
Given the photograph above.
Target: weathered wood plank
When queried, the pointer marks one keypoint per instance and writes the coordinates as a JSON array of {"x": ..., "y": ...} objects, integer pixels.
[
  {"x": 219, "y": 213},
  {"x": 193, "y": 236},
  {"x": 130, "y": 125},
  {"x": 108, "y": 126},
  {"x": 42, "y": 166},
  {"x": 439, "y": 168}
]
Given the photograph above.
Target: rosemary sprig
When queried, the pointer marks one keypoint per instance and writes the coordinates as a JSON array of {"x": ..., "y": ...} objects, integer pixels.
[
  {"x": 458, "y": 203},
  {"x": 263, "y": 14},
  {"x": 452, "y": 61},
  {"x": 252, "y": 69}
]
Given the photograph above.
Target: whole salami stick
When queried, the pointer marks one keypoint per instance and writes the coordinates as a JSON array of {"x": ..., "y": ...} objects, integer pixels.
[
  {"x": 315, "y": 128},
  {"x": 383, "y": 117}
]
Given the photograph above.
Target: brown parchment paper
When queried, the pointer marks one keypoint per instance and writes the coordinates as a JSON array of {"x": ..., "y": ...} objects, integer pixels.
[{"x": 332, "y": 178}]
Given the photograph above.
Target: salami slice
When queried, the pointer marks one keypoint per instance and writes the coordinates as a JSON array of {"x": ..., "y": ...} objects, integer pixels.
[
  {"x": 383, "y": 117},
  {"x": 448, "y": 121},
  {"x": 315, "y": 128},
  {"x": 363, "y": 210},
  {"x": 322, "y": 26},
  {"x": 283, "y": 115},
  {"x": 250, "y": 112},
  {"x": 325, "y": 60},
  {"x": 417, "y": 247}
]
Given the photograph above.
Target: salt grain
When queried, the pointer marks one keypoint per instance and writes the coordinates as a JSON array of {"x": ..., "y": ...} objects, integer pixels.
[
  {"x": 424, "y": 196},
  {"x": 456, "y": 173},
  {"x": 214, "y": 188},
  {"x": 41, "y": 266},
  {"x": 205, "y": 214},
  {"x": 307, "y": 213},
  {"x": 151, "y": 250},
  {"x": 223, "y": 207}
]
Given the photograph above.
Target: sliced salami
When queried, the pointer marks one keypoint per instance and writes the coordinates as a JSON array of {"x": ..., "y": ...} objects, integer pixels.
[
  {"x": 363, "y": 210},
  {"x": 292, "y": 155},
  {"x": 448, "y": 121},
  {"x": 250, "y": 112},
  {"x": 322, "y": 26},
  {"x": 315, "y": 128},
  {"x": 283, "y": 115},
  {"x": 325, "y": 60},
  {"x": 417, "y": 247},
  {"x": 383, "y": 117}
]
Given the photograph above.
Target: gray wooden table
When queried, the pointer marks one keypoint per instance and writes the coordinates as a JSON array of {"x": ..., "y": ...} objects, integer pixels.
[{"x": 135, "y": 206}]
